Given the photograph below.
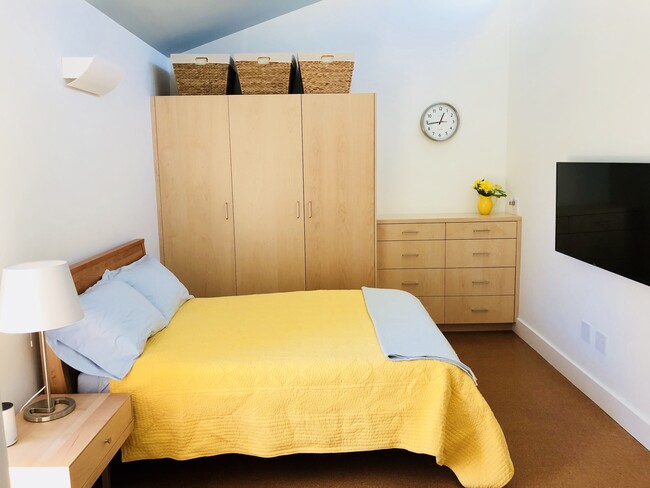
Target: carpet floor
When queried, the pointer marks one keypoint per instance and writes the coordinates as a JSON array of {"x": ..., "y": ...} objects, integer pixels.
[{"x": 557, "y": 438}]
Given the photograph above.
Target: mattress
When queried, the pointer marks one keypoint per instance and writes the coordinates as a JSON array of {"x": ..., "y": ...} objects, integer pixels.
[{"x": 302, "y": 372}]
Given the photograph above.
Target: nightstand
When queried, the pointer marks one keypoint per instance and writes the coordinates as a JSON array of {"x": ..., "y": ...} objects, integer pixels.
[{"x": 72, "y": 451}]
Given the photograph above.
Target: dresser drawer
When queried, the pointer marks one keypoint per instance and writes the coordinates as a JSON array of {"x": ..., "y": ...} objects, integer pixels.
[
  {"x": 481, "y": 230},
  {"x": 411, "y": 232},
  {"x": 410, "y": 254},
  {"x": 102, "y": 447},
  {"x": 419, "y": 282},
  {"x": 481, "y": 253},
  {"x": 436, "y": 308},
  {"x": 479, "y": 310},
  {"x": 480, "y": 281}
]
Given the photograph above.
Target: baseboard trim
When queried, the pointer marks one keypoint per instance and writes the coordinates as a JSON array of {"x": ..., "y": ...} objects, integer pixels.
[{"x": 625, "y": 415}]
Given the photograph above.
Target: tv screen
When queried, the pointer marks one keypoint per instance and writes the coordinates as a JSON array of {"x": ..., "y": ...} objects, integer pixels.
[{"x": 603, "y": 216}]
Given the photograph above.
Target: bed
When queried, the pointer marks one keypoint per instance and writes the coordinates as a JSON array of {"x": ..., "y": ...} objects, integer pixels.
[{"x": 284, "y": 373}]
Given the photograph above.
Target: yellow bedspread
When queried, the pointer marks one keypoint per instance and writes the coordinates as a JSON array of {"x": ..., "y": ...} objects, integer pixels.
[{"x": 302, "y": 372}]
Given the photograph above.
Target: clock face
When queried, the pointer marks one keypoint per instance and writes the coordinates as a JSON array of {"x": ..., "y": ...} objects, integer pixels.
[{"x": 440, "y": 121}]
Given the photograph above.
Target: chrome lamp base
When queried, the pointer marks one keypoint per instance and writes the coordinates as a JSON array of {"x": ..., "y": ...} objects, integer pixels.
[{"x": 40, "y": 411}]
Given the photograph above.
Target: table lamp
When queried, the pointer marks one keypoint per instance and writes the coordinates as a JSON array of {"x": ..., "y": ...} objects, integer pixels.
[{"x": 35, "y": 297}]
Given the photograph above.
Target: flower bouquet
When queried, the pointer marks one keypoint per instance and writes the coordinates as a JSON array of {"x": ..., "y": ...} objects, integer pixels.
[{"x": 486, "y": 190}]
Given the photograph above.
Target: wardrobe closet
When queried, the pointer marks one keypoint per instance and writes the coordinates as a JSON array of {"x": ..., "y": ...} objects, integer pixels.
[{"x": 266, "y": 193}]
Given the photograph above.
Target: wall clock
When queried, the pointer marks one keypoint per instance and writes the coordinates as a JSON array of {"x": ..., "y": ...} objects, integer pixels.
[{"x": 439, "y": 121}]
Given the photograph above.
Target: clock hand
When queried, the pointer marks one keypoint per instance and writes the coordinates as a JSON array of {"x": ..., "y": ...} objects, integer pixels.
[
  {"x": 441, "y": 117},
  {"x": 439, "y": 122}
]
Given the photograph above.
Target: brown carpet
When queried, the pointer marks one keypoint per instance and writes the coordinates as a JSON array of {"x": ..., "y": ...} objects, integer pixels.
[{"x": 556, "y": 435}]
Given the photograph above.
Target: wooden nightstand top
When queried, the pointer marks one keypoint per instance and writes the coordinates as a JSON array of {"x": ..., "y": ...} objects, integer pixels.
[{"x": 74, "y": 450}]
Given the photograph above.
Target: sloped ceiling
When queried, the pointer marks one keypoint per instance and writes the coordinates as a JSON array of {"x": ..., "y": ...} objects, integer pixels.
[{"x": 174, "y": 26}]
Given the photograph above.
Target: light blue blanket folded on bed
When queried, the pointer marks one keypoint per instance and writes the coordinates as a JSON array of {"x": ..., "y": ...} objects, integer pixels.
[{"x": 405, "y": 329}]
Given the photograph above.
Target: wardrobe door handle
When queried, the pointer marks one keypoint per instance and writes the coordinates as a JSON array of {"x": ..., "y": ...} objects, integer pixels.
[
  {"x": 309, "y": 208},
  {"x": 297, "y": 210},
  {"x": 225, "y": 206}
]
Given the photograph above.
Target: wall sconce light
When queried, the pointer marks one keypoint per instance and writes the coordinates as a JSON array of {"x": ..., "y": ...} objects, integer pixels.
[{"x": 91, "y": 74}]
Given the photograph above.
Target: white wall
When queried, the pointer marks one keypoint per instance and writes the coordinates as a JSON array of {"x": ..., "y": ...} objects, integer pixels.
[
  {"x": 76, "y": 171},
  {"x": 412, "y": 54},
  {"x": 579, "y": 91},
  {"x": 4, "y": 464}
]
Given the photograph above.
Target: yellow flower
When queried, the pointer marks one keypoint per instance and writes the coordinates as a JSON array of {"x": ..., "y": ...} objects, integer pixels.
[
  {"x": 486, "y": 185},
  {"x": 489, "y": 189}
]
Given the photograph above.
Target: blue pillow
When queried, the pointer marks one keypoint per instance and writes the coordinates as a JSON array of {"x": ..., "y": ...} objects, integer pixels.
[
  {"x": 116, "y": 325},
  {"x": 155, "y": 282}
]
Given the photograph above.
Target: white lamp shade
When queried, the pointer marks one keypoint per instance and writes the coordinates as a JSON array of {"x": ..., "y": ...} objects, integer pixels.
[{"x": 38, "y": 296}]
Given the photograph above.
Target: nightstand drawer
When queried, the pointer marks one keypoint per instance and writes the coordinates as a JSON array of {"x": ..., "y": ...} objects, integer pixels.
[
  {"x": 481, "y": 253},
  {"x": 410, "y": 254},
  {"x": 482, "y": 230},
  {"x": 479, "y": 310},
  {"x": 410, "y": 232},
  {"x": 419, "y": 282},
  {"x": 480, "y": 281},
  {"x": 99, "y": 452}
]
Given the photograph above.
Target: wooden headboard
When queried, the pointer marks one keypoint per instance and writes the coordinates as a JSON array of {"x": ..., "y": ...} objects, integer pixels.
[{"x": 85, "y": 274}]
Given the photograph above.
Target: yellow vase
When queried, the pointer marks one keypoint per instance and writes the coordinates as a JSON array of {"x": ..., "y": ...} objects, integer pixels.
[{"x": 485, "y": 205}]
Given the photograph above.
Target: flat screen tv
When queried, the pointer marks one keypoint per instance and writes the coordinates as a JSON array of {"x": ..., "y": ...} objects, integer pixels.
[{"x": 603, "y": 216}]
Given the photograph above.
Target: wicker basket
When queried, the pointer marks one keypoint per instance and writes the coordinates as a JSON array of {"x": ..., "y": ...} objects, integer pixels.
[
  {"x": 261, "y": 74},
  {"x": 202, "y": 74},
  {"x": 326, "y": 72}
]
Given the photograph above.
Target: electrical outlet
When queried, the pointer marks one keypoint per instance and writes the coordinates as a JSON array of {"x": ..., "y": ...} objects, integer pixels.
[
  {"x": 513, "y": 205},
  {"x": 585, "y": 332},
  {"x": 600, "y": 342}
]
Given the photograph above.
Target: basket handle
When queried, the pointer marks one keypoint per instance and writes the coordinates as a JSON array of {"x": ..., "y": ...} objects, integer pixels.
[
  {"x": 327, "y": 58},
  {"x": 201, "y": 60},
  {"x": 263, "y": 60}
]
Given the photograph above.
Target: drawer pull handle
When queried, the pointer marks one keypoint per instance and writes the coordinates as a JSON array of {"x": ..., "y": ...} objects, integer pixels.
[
  {"x": 410, "y": 232},
  {"x": 410, "y": 255},
  {"x": 481, "y": 230},
  {"x": 108, "y": 440},
  {"x": 479, "y": 310},
  {"x": 481, "y": 282},
  {"x": 480, "y": 254},
  {"x": 410, "y": 283}
]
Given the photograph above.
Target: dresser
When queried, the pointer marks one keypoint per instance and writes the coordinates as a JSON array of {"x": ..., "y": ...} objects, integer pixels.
[{"x": 464, "y": 268}]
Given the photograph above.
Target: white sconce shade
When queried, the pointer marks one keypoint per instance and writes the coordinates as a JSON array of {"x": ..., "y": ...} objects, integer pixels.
[
  {"x": 38, "y": 296},
  {"x": 93, "y": 75}
]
